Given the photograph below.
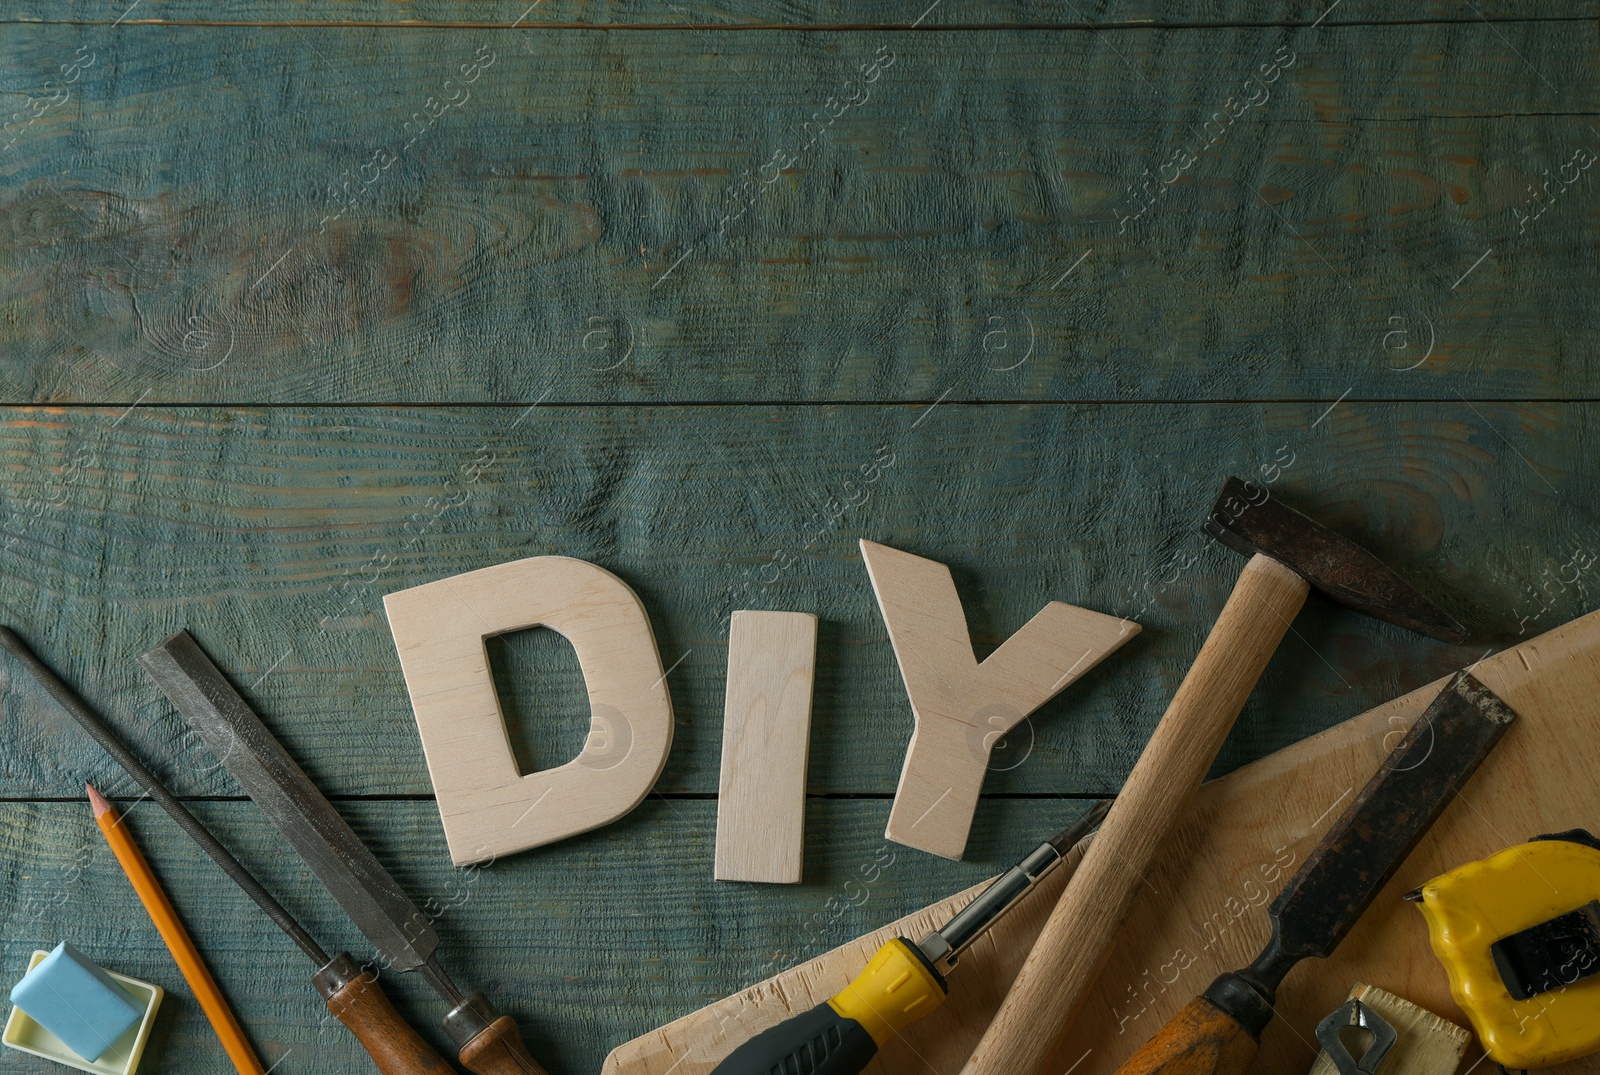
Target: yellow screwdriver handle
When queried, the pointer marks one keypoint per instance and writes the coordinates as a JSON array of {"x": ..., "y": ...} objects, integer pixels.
[{"x": 841, "y": 1035}]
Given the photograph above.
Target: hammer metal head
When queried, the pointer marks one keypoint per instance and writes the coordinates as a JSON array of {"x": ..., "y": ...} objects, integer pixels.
[{"x": 1248, "y": 520}]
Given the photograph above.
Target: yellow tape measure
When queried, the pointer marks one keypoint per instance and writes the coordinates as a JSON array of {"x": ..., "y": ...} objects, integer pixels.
[{"x": 1519, "y": 935}]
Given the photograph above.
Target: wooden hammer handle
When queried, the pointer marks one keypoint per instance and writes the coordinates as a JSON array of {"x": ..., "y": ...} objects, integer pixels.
[
  {"x": 356, "y": 998},
  {"x": 1200, "y": 1040},
  {"x": 1073, "y": 946}
]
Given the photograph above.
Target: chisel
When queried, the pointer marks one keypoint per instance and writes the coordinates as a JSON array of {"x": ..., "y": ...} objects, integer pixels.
[
  {"x": 1219, "y": 1031},
  {"x": 901, "y": 983},
  {"x": 353, "y": 995},
  {"x": 489, "y": 1042}
]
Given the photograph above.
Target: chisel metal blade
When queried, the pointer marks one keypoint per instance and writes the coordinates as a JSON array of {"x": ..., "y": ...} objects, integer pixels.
[
  {"x": 338, "y": 858},
  {"x": 1388, "y": 818}
]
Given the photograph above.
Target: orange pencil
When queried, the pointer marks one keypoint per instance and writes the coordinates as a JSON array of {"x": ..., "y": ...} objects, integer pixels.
[{"x": 176, "y": 937}]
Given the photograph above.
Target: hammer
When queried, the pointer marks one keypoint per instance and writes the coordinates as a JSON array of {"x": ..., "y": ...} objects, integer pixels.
[{"x": 1289, "y": 553}]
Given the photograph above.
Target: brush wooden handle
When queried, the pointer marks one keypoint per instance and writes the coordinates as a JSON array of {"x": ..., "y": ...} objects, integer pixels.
[
  {"x": 356, "y": 999},
  {"x": 1076, "y": 939},
  {"x": 498, "y": 1050},
  {"x": 1202, "y": 1039}
]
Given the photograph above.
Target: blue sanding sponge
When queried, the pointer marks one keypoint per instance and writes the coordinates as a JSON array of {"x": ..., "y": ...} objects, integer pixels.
[{"x": 77, "y": 1002}]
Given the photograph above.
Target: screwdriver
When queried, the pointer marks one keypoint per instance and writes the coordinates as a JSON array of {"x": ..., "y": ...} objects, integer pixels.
[{"x": 901, "y": 983}]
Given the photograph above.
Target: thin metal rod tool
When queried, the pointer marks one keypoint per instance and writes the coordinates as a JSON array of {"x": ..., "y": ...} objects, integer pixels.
[
  {"x": 944, "y": 946},
  {"x": 97, "y": 730}
]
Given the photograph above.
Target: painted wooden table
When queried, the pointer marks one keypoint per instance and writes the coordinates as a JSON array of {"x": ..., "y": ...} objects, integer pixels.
[{"x": 301, "y": 303}]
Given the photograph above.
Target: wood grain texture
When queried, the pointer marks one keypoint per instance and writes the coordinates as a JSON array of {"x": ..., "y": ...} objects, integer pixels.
[
  {"x": 766, "y": 745},
  {"x": 1083, "y": 927},
  {"x": 964, "y": 229},
  {"x": 489, "y": 807},
  {"x": 557, "y": 237},
  {"x": 963, "y": 707},
  {"x": 278, "y": 531},
  {"x": 1203, "y": 908},
  {"x": 1425, "y": 1044},
  {"x": 709, "y": 15}
]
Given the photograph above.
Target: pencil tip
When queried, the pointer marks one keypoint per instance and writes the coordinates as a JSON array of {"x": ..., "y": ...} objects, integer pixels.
[{"x": 97, "y": 801}]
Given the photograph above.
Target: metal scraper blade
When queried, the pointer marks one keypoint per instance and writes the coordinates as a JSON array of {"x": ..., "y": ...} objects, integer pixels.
[{"x": 350, "y": 872}]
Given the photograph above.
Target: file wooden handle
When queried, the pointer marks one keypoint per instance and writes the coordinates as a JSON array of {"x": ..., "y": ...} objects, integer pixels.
[
  {"x": 498, "y": 1050},
  {"x": 356, "y": 999}
]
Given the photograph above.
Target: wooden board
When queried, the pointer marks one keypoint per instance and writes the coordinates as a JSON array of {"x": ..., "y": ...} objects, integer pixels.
[
  {"x": 521, "y": 252},
  {"x": 1204, "y": 910},
  {"x": 326, "y": 510},
  {"x": 960, "y": 230},
  {"x": 766, "y": 744},
  {"x": 268, "y": 526},
  {"x": 1139, "y": 15}
]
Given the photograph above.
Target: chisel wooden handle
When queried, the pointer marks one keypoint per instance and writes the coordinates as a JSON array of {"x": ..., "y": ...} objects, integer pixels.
[
  {"x": 356, "y": 999},
  {"x": 1076, "y": 939},
  {"x": 1200, "y": 1040}
]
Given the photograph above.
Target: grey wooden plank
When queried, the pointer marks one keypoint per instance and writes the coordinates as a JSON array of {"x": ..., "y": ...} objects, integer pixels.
[
  {"x": 586, "y": 944},
  {"x": 273, "y": 534},
  {"x": 594, "y": 221},
  {"x": 717, "y": 13}
]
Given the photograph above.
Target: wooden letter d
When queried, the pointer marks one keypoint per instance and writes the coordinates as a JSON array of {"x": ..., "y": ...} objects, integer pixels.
[{"x": 489, "y": 808}]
